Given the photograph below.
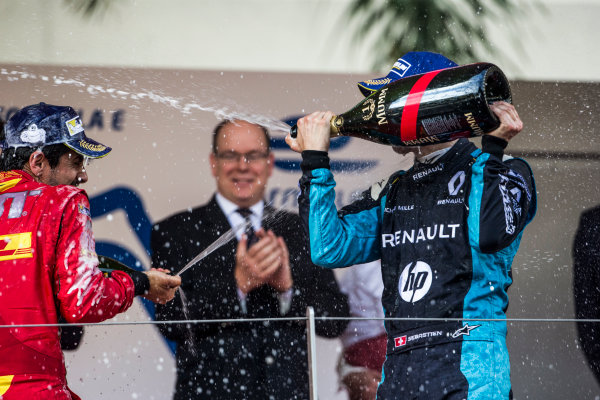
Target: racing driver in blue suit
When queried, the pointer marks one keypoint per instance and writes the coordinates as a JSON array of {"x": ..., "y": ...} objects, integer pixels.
[{"x": 446, "y": 231}]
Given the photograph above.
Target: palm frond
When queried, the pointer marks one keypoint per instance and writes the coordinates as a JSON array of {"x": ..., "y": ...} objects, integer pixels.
[
  {"x": 453, "y": 28},
  {"x": 88, "y": 8}
]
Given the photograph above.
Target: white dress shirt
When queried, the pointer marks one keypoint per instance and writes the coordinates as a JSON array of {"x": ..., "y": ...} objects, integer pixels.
[{"x": 235, "y": 219}]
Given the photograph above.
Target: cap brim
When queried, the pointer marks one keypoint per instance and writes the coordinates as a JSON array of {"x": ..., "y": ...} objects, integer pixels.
[
  {"x": 372, "y": 85},
  {"x": 89, "y": 148},
  {"x": 368, "y": 89}
]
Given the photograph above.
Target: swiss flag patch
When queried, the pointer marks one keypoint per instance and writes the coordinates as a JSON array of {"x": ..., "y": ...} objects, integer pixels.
[{"x": 400, "y": 341}]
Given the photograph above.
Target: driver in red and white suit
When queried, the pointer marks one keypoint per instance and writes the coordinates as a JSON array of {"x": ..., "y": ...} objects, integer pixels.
[{"x": 48, "y": 263}]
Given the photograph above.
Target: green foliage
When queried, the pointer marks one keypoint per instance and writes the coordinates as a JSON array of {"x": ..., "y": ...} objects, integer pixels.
[{"x": 453, "y": 28}]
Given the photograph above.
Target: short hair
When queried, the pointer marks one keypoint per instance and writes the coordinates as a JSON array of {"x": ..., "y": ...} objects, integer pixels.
[
  {"x": 222, "y": 124},
  {"x": 17, "y": 157}
]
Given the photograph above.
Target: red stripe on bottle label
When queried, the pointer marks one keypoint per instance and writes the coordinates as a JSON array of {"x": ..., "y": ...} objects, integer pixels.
[{"x": 408, "y": 124}]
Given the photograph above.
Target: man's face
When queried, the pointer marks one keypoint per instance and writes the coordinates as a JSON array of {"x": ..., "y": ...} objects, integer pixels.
[
  {"x": 242, "y": 164},
  {"x": 69, "y": 171}
]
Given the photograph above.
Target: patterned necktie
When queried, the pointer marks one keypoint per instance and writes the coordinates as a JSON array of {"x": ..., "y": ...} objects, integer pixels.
[{"x": 246, "y": 213}]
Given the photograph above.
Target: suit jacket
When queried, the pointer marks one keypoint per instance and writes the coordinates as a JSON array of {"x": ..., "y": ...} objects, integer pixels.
[
  {"x": 586, "y": 285},
  {"x": 246, "y": 360}
]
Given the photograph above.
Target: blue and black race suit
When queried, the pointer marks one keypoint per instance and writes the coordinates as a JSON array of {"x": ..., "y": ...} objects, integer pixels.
[{"x": 446, "y": 234}]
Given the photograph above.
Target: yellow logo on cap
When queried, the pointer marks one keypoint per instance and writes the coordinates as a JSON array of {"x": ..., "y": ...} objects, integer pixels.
[
  {"x": 74, "y": 126},
  {"x": 92, "y": 147},
  {"x": 382, "y": 81}
]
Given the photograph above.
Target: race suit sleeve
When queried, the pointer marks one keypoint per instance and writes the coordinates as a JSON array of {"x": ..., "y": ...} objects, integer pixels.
[
  {"x": 502, "y": 199},
  {"x": 336, "y": 239},
  {"x": 84, "y": 294}
]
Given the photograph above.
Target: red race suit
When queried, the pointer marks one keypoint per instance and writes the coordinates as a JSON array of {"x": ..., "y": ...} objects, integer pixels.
[{"x": 48, "y": 266}]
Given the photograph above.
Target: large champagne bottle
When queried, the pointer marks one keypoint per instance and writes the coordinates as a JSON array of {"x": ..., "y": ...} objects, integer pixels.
[{"x": 430, "y": 108}]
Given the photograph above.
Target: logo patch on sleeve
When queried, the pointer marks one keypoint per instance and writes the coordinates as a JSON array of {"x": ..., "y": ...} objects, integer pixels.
[{"x": 84, "y": 210}]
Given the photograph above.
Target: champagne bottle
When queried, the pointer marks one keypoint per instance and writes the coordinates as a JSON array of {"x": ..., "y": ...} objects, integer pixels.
[{"x": 434, "y": 107}]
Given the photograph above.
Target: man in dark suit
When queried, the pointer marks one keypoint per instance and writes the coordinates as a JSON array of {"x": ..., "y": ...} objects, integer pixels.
[
  {"x": 266, "y": 273},
  {"x": 586, "y": 285}
]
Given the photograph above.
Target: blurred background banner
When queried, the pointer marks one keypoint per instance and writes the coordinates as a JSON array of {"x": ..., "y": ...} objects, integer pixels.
[{"x": 151, "y": 79}]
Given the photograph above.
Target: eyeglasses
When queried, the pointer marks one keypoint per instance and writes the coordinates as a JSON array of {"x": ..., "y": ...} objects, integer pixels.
[{"x": 233, "y": 156}]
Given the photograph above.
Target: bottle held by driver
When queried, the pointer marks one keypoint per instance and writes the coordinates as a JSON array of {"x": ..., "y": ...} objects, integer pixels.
[{"x": 429, "y": 108}]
